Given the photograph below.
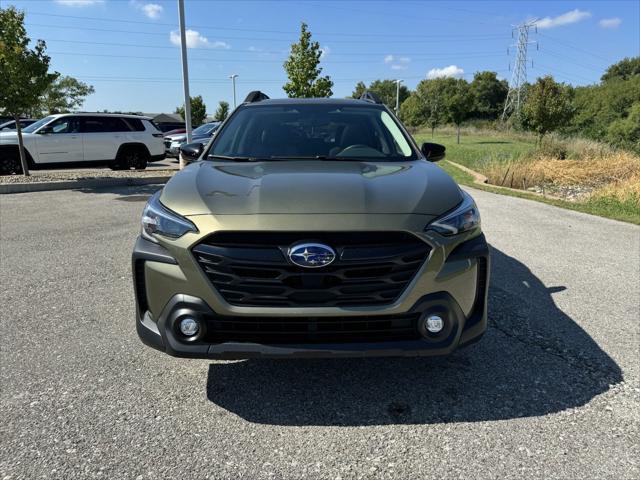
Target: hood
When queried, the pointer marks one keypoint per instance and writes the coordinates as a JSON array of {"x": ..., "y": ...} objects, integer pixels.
[{"x": 311, "y": 187}]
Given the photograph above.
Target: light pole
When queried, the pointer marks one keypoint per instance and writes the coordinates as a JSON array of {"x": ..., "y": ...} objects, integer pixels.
[
  {"x": 398, "y": 82},
  {"x": 185, "y": 77},
  {"x": 233, "y": 81}
]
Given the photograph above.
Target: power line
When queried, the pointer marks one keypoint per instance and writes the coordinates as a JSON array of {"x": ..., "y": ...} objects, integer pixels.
[
  {"x": 251, "y": 30},
  {"x": 570, "y": 45}
]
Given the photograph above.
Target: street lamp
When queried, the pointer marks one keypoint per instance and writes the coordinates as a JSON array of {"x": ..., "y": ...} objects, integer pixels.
[
  {"x": 185, "y": 77},
  {"x": 233, "y": 81},
  {"x": 398, "y": 82}
]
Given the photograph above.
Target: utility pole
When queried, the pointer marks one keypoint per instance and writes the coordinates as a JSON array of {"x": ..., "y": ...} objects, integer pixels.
[
  {"x": 515, "y": 97},
  {"x": 233, "y": 81},
  {"x": 398, "y": 82},
  {"x": 185, "y": 78}
]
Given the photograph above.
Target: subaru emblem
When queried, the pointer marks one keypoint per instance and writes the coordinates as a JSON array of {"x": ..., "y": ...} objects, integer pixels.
[{"x": 311, "y": 255}]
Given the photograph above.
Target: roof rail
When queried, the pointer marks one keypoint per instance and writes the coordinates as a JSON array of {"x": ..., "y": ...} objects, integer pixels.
[
  {"x": 255, "y": 96},
  {"x": 369, "y": 96}
]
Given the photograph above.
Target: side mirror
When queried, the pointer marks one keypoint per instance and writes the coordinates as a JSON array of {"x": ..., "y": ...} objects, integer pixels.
[
  {"x": 191, "y": 151},
  {"x": 6, "y": 129},
  {"x": 46, "y": 130},
  {"x": 433, "y": 151}
]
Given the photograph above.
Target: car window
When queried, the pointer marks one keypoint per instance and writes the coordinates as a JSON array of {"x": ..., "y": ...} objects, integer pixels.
[
  {"x": 65, "y": 125},
  {"x": 310, "y": 131},
  {"x": 34, "y": 126},
  {"x": 104, "y": 125},
  {"x": 135, "y": 124}
]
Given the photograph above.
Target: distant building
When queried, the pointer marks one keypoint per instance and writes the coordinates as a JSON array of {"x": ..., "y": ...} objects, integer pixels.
[{"x": 166, "y": 121}]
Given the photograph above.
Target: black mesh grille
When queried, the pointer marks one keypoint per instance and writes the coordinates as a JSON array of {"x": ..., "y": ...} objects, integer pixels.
[
  {"x": 272, "y": 330},
  {"x": 252, "y": 269}
]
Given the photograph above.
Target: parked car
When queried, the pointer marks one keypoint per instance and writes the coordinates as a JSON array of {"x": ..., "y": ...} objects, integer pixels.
[
  {"x": 175, "y": 131},
  {"x": 167, "y": 127},
  {"x": 84, "y": 139},
  {"x": 311, "y": 227},
  {"x": 201, "y": 134},
  {"x": 11, "y": 124}
]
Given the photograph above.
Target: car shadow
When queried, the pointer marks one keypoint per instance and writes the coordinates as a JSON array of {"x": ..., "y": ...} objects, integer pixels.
[
  {"x": 533, "y": 360},
  {"x": 125, "y": 193}
]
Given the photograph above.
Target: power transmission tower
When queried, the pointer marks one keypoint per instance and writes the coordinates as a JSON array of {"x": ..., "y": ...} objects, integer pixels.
[{"x": 515, "y": 96}]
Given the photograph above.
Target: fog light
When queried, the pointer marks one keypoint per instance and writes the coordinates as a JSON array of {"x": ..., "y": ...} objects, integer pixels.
[
  {"x": 435, "y": 323},
  {"x": 189, "y": 326}
]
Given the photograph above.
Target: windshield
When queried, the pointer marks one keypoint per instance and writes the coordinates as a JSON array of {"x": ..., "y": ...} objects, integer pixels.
[
  {"x": 312, "y": 132},
  {"x": 34, "y": 126},
  {"x": 205, "y": 129}
]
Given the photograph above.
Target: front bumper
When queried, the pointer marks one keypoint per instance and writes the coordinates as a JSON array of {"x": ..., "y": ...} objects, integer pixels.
[{"x": 466, "y": 266}]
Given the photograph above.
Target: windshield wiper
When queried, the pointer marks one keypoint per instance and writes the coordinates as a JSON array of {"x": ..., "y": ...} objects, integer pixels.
[{"x": 234, "y": 159}]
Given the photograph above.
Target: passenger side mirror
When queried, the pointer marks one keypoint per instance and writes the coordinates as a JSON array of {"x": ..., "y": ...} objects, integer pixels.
[
  {"x": 192, "y": 151},
  {"x": 433, "y": 151}
]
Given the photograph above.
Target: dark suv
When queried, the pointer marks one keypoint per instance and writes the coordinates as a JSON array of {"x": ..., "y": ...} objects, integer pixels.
[{"x": 310, "y": 227}]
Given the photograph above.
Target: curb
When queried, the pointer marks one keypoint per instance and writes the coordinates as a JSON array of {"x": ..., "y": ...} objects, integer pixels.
[
  {"x": 480, "y": 179},
  {"x": 80, "y": 184}
]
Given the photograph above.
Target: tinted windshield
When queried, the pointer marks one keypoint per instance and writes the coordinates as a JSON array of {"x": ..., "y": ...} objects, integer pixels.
[
  {"x": 312, "y": 131},
  {"x": 34, "y": 126},
  {"x": 204, "y": 129}
]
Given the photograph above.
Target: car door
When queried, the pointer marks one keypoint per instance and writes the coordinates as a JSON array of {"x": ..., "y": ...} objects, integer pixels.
[
  {"x": 102, "y": 136},
  {"x": 60, "y": 141}
]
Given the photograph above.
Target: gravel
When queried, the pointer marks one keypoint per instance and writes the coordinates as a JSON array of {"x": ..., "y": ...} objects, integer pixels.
[
  {"x": 551, "y": 391},
  {"x": 66, "y": 175}
]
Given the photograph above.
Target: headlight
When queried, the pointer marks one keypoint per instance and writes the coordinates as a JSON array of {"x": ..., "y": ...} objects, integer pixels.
[
  {"x": 159, "y": 220},
  {"x": 464, "y": 218}
]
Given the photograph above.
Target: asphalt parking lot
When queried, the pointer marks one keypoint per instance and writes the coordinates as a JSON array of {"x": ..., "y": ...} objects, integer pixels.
[{"x": 552, "y": 390}]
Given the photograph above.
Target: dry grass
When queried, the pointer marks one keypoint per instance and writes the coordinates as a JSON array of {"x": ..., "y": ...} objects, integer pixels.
[
  {"x": 626, "y": 191},
  {"x": 592, "y": 171}
]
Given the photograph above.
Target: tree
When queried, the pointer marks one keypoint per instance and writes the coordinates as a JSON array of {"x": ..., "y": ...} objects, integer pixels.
[
  {"x": 623, "y": 70},
  {"x": 198, "y": 111},
  {"x": 222, "y": 112},
  {"x": 625, "y": 133},
  {"x": 359, "y": 90},
  {"x": 303, "y": 70},
  {"x": 64, "y": 94},
  {"x": 458, "y": 102},
  {"x": 548, "y": 106},
  {"x": 385, "y": 89},
  {"x": 24, "y": 72},
  {"x": 427, "y": 104},
  {"x": 490, "y": 95}
]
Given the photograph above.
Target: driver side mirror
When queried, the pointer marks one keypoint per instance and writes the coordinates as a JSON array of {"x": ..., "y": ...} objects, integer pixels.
[
  {"x": 192, "y": 151},
  {"x": 46, "y": 130},
  {"x": 433, "y": 151}
]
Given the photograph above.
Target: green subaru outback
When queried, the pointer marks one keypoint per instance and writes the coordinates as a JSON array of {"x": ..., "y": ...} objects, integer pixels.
[{"x": 310, "y": 228}]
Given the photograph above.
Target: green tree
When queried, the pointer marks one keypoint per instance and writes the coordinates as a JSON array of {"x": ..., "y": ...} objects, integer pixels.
[
  {"x": 623, "y": 70},
  {"x": 303, "y": 70},
  {"x": 426, "y": 106},
  {"x": 625, "y": 133},
  {"x": 385, "y": 89},
  {"x": 64, "y": 94},
  {"x": 359, "y": 90},
  {"x": 198, "y": 111},
  {"x": 490, "y": 95},
  {"x": 547, "y": 107},
  {"x": 458, "y": 102},
  {"x": 24, "y": 72},
  {"x": 222, "y": 112}
]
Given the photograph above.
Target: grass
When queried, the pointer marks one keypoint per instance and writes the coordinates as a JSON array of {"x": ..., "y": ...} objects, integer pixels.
[{"x": 589, "y": 176}]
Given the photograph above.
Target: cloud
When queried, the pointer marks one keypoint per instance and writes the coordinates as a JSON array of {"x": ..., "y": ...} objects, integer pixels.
[
  {"x": 397, "y": 63},
  {"x": 574, "y": 16},
  {"x": 610, "y": 22},
  {"x": 196, "y": 40},
  {"x": 78, "y": 3},
  {"x": 324, "y": 52},
  {"x": 445, "y": 72},
  {"x": 150, "y": 10}
]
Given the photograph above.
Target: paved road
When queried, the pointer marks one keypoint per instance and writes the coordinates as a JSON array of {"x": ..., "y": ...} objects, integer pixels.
[{"x": 550, "y": 392}]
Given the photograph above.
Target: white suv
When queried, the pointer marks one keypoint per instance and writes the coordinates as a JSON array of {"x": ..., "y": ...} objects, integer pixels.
[{"x": 84, "y": 139}]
